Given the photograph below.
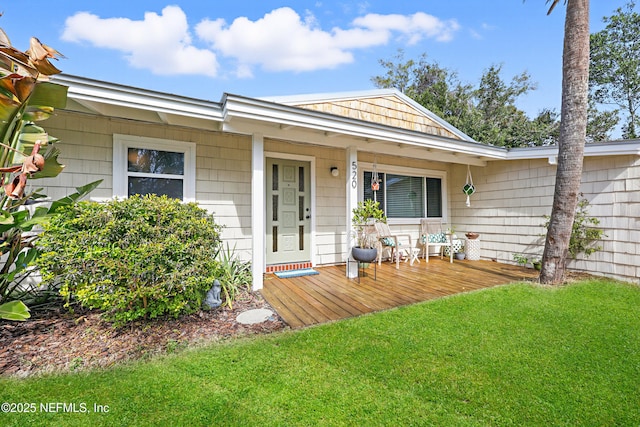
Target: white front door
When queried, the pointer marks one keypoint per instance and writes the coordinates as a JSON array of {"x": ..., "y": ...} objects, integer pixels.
[{"x": 288, "y": 197}]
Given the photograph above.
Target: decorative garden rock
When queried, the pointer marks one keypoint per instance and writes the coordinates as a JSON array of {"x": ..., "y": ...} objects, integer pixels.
[{"x": 254, "y": 316}]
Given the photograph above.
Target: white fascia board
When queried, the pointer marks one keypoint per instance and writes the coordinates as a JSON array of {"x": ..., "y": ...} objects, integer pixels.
[
  {"x": 340, "y": 96},
  {"x": 616, "y": 148},
  {"x": 283, "y": 115},
  {"x": 88, "y": 90}
]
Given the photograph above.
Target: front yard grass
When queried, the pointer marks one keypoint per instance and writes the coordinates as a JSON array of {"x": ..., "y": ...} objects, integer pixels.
[{"x": 517, "y": 355}]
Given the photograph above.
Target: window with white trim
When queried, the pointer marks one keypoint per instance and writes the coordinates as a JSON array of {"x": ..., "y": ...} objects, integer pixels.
[
  {"x": 153, "y": 166},
  {"x": 404, "y": 196}
]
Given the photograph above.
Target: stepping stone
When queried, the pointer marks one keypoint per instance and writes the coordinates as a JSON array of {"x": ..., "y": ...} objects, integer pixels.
[{"x": 251, "y": 317}]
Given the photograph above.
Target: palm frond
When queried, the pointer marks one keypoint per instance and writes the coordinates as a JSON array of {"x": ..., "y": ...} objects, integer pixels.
[{"x": 553, "y": 5}]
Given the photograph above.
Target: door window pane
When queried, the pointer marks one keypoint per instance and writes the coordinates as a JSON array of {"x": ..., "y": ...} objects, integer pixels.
[
  {"x": 275, "y": 180},
  {"x": 301, "y": 182}
]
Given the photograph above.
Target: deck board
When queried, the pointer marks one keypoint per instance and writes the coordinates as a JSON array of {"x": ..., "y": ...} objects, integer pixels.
[{"x": 330, "y": 295}]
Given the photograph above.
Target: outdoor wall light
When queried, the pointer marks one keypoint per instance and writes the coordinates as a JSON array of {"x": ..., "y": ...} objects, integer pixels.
[{"x": 334, "y": 171}]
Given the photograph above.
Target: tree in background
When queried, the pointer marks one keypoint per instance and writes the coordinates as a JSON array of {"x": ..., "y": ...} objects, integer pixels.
[
  {"x": 615, "y": 65},
  {"x": 600, "y": 124},
  {"x": 501, "y": 122},
  {"x": 487, "y": 113},
  {"x": 573, "y": 128}
]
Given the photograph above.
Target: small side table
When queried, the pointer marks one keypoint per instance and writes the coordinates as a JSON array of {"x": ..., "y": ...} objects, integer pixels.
[
  {"x": 472, "y": 249},
  {"x": 412, "y": 255}
]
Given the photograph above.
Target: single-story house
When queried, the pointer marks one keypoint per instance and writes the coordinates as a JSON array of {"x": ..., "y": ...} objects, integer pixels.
[{"x": 283, "y": 174}]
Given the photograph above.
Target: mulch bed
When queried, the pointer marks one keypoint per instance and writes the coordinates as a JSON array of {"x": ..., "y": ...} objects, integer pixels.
[{"x": 63, "y": 342}]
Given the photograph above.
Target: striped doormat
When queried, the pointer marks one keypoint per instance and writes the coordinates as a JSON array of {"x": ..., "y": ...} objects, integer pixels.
[{"x": 296, "y": 273}]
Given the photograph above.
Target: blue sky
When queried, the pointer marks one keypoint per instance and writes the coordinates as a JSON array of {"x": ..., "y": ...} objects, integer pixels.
[{"x": 203, "y": 49}]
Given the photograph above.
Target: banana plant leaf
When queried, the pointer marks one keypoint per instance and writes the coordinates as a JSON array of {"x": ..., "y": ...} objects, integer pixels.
[
  {"x": 43, "y": 97},
  {"x": 29, "y": 135},
  {"x": 49, "y": 94},
  {"x": 25, "y": 221},
  {"x": 72, "y": 198},
  {"x": 14, "y": 310},
  {"x": 52, "y": 167}
]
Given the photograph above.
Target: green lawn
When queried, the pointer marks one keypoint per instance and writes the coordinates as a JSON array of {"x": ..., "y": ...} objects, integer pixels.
[{"x": 514, "y": 355}]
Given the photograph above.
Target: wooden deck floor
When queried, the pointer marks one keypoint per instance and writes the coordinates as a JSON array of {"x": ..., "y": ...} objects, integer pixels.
[{"x": 330, "y": 295}]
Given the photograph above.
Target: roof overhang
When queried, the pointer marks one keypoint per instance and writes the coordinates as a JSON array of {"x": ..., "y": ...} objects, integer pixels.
[
  {"x": 612, "y": 148},
  {"x": 296, "y": 100},
  {"x": 113, "y": 100},
  {"x": 250, "y": 115}
]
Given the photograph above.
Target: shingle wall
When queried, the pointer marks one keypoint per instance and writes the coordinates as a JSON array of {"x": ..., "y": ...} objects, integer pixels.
[
  {"x": 513, "y": 197},
  {"x": 223, "y": 166}
]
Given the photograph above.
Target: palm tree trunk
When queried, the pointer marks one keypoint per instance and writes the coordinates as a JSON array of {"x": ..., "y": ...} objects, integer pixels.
[{"x": 573, "y": 125}]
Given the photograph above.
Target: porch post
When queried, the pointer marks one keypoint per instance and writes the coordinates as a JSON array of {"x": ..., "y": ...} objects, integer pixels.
[
  {"x": 257, "y": 211},
  {"x": 352, "y": 202}
]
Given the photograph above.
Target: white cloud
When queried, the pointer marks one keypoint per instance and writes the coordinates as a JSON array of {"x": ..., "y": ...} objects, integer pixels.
[
  {"x": 282, "y": 40},
  {"x": 160, "y": 43},
  {"x": 279, "y": 41},
  {"x": 414, "y": 27},
  {"x": 475, "y": 34}
]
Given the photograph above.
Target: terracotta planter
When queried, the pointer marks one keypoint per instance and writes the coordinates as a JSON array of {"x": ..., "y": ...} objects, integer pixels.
[{"x": 364, "y": 254}]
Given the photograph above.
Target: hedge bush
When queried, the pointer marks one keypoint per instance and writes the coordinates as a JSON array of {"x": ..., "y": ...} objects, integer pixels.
[{"x": 144, "y": 256}]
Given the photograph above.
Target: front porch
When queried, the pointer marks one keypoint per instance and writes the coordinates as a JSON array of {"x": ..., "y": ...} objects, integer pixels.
[{"x": 330, "y": 295}]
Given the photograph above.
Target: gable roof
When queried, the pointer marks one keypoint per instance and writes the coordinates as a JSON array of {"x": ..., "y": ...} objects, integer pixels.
[{"x": 388, "y": 107}]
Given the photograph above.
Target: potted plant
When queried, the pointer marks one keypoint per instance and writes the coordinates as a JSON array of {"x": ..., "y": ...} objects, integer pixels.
[
  {"x": 364, "y": 217},
  {"x": 522, "y": 260}
]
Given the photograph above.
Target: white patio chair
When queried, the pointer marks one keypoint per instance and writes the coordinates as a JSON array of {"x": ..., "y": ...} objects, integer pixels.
[
  {"x": 394, "y": 242},
  {"x": 432, "y": 235}
]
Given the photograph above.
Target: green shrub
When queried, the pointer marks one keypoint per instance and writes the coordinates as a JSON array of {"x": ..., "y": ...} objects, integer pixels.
[
  {"x": 584, "y": 232},
  {"x": 144, "y": 256},
  {"x": 232, "y": 274}
]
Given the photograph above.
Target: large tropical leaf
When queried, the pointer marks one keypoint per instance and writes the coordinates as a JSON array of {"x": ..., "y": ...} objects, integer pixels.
[
  {"x": 14, "y": 310},
  {"x": 72, "y": 198},
  {"x": 6, "y": 219},
  {"x": 52, "y": 167},
  {"x": 38, "y": 54},
  {"x": 49, "y": 94},
  {"x": 29, "y": 135},
  {"x": 17, "y": 217}
]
